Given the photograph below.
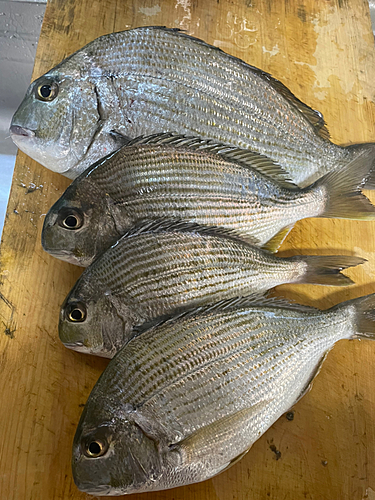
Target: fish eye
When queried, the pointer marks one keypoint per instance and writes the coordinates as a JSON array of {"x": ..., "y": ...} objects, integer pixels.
[
  {"x": 72, "y": 219},
  {"x": 76, "y": 312},
  {"x": 47, "y": 91},
  {"x": 95, "y": 448}
]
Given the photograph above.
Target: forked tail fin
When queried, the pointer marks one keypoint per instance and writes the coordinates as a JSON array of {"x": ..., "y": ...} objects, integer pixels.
[
  {"x": 325, "y": 270},
  {"x": 344, "y": 199}
]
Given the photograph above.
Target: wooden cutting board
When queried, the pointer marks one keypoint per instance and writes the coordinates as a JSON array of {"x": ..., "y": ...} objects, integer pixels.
[{"x": 323, "y": 50}]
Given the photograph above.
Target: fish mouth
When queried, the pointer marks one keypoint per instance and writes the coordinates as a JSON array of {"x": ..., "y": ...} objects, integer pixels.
[
  {"x": 94, "y": 490},
  {"x": 17, "y": 132}
]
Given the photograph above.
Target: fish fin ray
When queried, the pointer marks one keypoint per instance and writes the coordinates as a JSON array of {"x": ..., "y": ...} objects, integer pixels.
[
  {"x": 253, "y": 300},
  {"x": 162, "y": 225},
  {"x": 326, "y": 269},
  {"x": 196, "y": 445},
  {"x": 248, "y": 159},
  {"x": 314, "y": 117},
  {"x": 275, "y": 242},
  {"x": 307, "y": 388},
  {"x": 365, "y": 315},
  {"x": 343, "y": 189}
]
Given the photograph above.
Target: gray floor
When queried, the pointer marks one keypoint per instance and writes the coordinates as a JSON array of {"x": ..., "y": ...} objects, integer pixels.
[{"x": 20, "y": 23}]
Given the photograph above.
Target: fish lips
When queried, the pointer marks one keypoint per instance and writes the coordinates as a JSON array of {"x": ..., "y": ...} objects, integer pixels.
[
  {"x": 18, "y": 133},
  {"x": 94, "y": 490}
]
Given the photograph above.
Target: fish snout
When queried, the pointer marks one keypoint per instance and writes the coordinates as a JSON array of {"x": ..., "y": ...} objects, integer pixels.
[{"x": 16, "y": 130}]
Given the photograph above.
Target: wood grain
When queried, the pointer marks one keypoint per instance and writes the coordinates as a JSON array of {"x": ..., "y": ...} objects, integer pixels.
[{"x": 323, "y": 50}]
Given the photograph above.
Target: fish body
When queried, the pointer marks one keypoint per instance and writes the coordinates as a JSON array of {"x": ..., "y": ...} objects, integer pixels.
[
  {"x": 163, "y": 267},
  {"x": 182, "y": 401},
  {"x": 153, "y": 79},
  {"x": 187, "y": 179}
]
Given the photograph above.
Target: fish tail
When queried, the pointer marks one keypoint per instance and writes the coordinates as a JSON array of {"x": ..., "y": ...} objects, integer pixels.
[
  {"x": 342, "y": 189},
  {"x": 326, "y": 270},
  {"x": 365, "y": 316},
  {"x": 359, "y": 149}
]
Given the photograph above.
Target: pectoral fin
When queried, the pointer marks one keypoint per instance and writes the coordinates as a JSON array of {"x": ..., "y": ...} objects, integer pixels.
[{"x": 220, "y": 444}]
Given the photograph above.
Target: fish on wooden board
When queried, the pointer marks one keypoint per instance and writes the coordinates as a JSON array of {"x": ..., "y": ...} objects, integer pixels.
[
  {"x": 161, "y": 267},
  {"x": 174, "y": 177},
  {"x": 154, "y": 79},
  {"x": 187, "y": 398}
]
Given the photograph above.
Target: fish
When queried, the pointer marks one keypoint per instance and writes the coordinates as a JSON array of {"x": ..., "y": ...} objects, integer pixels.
[
  {"x": 161, "y": 267},
  {"x": 155, "y": 79},
  {"x": 188, "y": 397},
  {"x": 174, "y": 177}
]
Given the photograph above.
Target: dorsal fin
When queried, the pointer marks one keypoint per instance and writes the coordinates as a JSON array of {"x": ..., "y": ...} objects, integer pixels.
[
  {"x": 171, "y": 225},
  {"x": 253, "y": 300},
  {"x": 312, "y": 116},
  {"x": 244, "y": 157}
]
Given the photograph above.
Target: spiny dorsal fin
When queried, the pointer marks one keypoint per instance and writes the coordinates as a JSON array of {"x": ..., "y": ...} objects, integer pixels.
[
  {"x": 312, "y": 116},
  {"x": 243, "y": 157},
  {"x": 251, "y": 301},
  {"x": 171, "y": 225}
]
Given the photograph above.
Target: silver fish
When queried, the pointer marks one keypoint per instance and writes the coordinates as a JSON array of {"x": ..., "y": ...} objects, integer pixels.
[
  {"x": 183, "y": 401},
  {"x": 161, "y": 267},
  {"x": 153, "y": 79},
  {"x": 174, "y": 177}
]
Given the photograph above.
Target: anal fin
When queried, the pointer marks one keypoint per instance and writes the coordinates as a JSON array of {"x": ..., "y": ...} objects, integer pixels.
[{"x": 275, "y": 242}]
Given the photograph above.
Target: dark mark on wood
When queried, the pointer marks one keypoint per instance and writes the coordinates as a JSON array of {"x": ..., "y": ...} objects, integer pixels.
[
  {"x": 274, "y": 450},
  {"x": 324, "y": 463},
  {"x": 301, "y": 13},
  {"x": 290, "y": 415},
  {"x": 9, "y": 330},
  {"x": 6, "y": 301}
]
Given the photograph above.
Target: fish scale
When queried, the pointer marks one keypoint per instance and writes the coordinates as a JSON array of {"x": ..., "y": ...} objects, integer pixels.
[
  {"x": 231, "y": 345},
  {"x": 160, "y": 172},
  {"x": 153, "y": 79},
  {"x": 163, "y": 266},
  {"x": 174, "y": 177},
  {"x": 204, "y": 386}
]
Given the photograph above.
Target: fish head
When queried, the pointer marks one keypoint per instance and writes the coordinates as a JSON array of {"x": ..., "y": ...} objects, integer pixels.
[
  {"x": 58, "y": 118},
  {"x": 93, "y": 320},
  {"x": 80, "y": 225},
  {"x": 112, "y": 454}
]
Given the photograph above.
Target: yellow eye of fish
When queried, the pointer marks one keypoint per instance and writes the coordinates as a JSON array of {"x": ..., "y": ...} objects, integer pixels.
[
  {"x": 76, "y": 313},
  {"x": 95, "y": 449},
  {"x": 47, "y": 91}
]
